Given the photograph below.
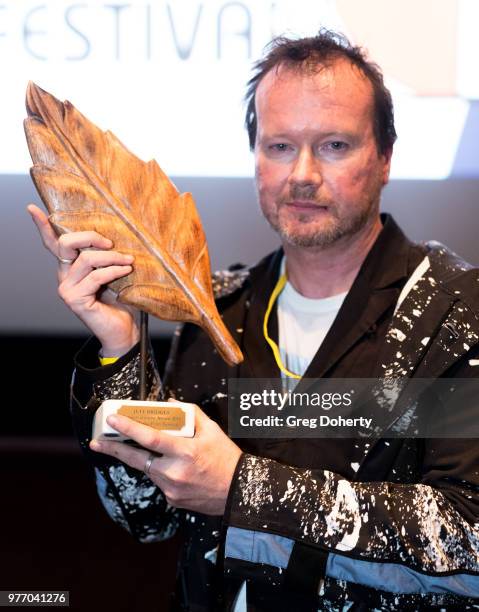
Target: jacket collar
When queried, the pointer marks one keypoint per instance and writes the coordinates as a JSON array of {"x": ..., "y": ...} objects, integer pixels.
[
  {"x": 259, "y": 360},
  {"x": 374, "y": 291}
]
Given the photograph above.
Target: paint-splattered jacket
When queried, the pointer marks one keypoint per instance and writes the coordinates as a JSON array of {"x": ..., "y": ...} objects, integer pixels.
[{"x": 373, "y": 524}]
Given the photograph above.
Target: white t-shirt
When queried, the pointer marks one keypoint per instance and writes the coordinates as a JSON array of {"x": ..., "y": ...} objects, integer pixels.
[{"x": 303, "y": 324}]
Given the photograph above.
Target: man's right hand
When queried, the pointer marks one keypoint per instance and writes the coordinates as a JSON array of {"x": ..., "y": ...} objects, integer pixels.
[{"x": 81, "y": 283}]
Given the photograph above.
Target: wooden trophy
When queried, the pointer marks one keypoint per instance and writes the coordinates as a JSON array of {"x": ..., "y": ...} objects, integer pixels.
[{"x": 88, "y": 180}]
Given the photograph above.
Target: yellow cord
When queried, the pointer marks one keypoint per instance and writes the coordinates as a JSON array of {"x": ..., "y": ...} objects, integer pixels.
[
  {"x": 274, "y": 347},
  {"x": 107, "y": 360}
]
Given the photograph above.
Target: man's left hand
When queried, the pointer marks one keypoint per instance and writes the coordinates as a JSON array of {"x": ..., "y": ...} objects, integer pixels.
[{"x": 193, "y": 473}]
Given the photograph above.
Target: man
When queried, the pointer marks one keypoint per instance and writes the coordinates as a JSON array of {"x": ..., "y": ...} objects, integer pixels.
[{"x": 299, "y": 524}]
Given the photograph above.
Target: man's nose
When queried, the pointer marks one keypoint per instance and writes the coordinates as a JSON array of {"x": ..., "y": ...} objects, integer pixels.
[{"x": 306, "y": 169}]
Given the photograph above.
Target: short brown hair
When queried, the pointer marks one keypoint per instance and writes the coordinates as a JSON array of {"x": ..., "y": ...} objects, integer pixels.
[{"x": 317, "y": 51}]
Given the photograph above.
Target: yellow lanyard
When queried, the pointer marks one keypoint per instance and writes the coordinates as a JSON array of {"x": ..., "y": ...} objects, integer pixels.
[{"x": 274, "y": 347}]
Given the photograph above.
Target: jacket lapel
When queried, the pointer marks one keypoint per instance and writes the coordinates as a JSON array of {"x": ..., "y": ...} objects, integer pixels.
[
  {"x": 343, "y": 336},
  {"x": 374, "y": 291},
  {"x": 414, "y": 324},
  {"x": 259, "y": 359}
]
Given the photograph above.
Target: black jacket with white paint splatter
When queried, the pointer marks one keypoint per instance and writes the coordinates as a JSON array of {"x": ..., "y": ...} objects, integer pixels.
[{"x": 388, "y": 524}]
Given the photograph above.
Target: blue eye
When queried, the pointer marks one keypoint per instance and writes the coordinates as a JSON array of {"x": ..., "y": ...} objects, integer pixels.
[{"x": 338, "y": 145}]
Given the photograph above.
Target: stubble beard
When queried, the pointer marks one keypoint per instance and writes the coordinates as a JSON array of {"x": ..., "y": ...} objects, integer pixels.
[{"x": 306, "y": 231}]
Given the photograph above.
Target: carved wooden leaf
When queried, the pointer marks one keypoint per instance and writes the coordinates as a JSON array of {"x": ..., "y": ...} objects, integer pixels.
[{"x": 88, "y": 180}]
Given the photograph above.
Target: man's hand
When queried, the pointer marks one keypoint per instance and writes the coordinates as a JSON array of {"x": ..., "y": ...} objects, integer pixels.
[
  {"x": 82, "y": 275},
  {"x": 193, "y": 473}
]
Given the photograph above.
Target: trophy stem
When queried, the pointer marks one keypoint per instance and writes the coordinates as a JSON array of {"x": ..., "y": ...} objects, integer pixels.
[{"x": 143, "y": 353}]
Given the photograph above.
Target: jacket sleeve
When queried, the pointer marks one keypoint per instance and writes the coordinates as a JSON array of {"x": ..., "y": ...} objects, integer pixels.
[
  {"x": 400, "y": 538},
  {"x": 129, "y": 496}
]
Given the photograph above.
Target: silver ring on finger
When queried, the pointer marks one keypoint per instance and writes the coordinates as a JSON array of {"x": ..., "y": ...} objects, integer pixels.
[
  {"x": 67, "y": 262},
  {"x": 149, "y": 461}
]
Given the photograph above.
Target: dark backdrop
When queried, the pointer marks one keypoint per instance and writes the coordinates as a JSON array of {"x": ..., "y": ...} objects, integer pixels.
[{"x": 55, "y": 533}]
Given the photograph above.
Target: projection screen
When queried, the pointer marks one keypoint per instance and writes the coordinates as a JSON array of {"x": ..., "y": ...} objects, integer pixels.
[{"x": 168, "y": 78}]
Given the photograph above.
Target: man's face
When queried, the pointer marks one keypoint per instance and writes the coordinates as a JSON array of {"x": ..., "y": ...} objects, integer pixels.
[{"x": 318, "y": 172}]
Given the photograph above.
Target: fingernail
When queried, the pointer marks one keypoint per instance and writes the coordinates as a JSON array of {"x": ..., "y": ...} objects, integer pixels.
[
  {"x": 129, "y": 257},
  {"x": 112, "y": 420},
  {"x": 95, "y": 445}
]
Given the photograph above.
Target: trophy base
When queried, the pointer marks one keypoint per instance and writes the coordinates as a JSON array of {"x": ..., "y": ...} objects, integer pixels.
[{"x": 175, "y": 418}]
